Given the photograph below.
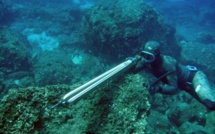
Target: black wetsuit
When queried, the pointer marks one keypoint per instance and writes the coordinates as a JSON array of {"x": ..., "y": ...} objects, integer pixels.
[
  {"x": 163, "y": 64},
  {"x": 181, "y": 78}
]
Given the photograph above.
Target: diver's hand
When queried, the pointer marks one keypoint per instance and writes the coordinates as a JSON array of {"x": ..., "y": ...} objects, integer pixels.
[
  {"x": 130, "y": 58},
  {"x": 138, "y": 57},
  {"x": 155, "y": 89}
]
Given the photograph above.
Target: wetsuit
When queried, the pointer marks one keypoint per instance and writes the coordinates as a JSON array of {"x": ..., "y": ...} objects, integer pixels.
[{"x": 181, "y": 78}]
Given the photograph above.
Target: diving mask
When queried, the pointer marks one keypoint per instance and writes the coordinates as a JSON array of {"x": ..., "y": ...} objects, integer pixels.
[{"x": 147, "y": 56}]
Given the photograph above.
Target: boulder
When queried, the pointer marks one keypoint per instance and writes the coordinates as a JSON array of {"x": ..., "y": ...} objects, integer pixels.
[{"x": 119, "y": 29}]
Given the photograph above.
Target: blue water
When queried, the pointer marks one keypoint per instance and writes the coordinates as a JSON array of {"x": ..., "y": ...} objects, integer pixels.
[
  {"x": 42, "y": 43},
  {"x": 188, "y": 16}
]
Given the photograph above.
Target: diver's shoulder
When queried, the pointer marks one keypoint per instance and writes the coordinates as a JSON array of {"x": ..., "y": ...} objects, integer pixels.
[{"x": 168, "y": 58}]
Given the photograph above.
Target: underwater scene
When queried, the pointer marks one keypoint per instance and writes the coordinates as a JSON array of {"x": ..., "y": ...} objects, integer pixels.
[{"x": 107, "y": 67}]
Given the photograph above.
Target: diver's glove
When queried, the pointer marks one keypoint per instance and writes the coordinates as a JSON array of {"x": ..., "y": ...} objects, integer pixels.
[
  {"x": 155, "y": 89},
  {"x": 138, "y": 57},
  {"x": 130, "y": 58},
  {"x": 134, "y": 58}
]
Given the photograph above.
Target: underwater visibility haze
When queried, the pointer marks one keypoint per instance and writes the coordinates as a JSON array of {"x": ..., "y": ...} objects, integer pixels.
[{"x": 49, "y": 48}]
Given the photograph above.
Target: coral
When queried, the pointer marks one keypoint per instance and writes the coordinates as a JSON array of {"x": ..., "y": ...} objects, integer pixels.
[
  {"x": 120, "y": 107},
  {"x": 21, "y": 109},
  {"x": 120, "y": 28}
]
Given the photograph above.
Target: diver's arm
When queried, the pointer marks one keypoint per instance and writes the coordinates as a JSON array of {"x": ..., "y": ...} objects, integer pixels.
[
  {"x": 172, "y": 86},
  {"x": 139, "y": 67},
  {"x": 169, "y": 89},
  {"x": 164, "y": 89}
]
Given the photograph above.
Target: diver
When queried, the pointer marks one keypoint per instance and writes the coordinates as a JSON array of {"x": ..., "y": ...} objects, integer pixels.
[{"x": 175, "y": 77}]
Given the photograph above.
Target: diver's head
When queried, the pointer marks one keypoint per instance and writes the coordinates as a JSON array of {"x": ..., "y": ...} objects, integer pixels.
[{"x": 151, "y": 51}]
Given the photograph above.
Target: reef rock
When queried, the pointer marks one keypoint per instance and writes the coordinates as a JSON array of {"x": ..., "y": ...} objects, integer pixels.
[
  {"x": 117, "y": 29},
  {"x": 14, "y": 55},
  {"x": 199, "y": 55},
  {"x": 52, "y": 67},
  {"x": 15, "y": 63},
  {"x": 120, "y": 107}
]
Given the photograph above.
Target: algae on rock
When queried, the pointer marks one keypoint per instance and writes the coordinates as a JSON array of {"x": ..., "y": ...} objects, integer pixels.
[
  {"x": 119, "y": 29},
  {"x": 121, "y": 106}
]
